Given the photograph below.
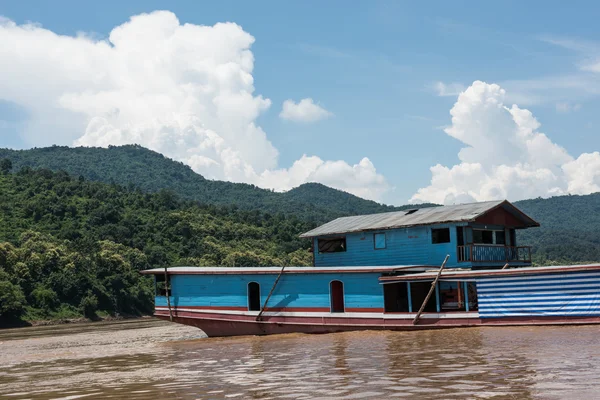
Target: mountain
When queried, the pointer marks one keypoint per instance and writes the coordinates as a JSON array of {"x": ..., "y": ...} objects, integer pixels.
[
  {"x": 568, "y": 223},
  {"x": 149, "y": 171},
  {"x": 69, "y": 246},
  {"x": 569, "y": 229}
]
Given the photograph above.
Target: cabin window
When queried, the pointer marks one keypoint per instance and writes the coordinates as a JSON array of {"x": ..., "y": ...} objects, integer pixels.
[
  {"x": 253, "y": 296},
  {"x": 481, "y": 236},
  {"x": 379, "y": 239},
  {"x": 332, "y": 245},
  {"x": 500, "y": 237},
  {"x": 336, "y": 289},
  {"x": 160, "y": 286},
  {"x": 452, "y": 296},
  {"x": 395, "y": 297},
  {"x": 440, "y": 235}
]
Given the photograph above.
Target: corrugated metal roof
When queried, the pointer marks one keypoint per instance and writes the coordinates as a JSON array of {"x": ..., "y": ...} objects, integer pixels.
[{"x": 405, "y": 218}]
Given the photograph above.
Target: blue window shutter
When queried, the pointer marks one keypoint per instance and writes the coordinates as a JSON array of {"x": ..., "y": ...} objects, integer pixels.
[{"x": 380, "y": 241}]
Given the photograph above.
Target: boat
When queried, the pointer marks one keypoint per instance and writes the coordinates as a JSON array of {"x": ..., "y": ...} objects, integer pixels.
[{"x": 422, "y": 268}]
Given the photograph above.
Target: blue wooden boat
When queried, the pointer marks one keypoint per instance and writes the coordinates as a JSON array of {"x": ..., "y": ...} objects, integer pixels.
[{"x": 452, "y": 266}]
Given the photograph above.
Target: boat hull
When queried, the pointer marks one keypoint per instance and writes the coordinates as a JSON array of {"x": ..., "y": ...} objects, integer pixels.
[{"x": 222, "y": 325}]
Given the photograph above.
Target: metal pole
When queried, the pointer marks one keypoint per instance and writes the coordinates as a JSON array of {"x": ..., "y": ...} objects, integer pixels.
[
  {"x": 433, "y": 285},
  {"x": 465, "y": 285},
  {"x": 167, "y": 293},
  {"x": 258, "y": 317}
]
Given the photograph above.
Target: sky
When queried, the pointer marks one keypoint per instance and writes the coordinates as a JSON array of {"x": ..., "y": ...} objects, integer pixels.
[{"x": 399, "y": 102}]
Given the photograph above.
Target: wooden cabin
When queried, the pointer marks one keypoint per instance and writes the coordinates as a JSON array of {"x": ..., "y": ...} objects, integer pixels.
[{"x": 476, "y": 235}]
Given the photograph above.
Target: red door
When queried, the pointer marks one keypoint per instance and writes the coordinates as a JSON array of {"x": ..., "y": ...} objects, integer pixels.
[{"x": 337, "y": 296}]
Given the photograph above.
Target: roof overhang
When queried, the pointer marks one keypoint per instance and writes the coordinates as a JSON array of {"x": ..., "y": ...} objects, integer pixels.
[
  {"x": 286, "y": 270},
  {"x": 473, "y": 275}
]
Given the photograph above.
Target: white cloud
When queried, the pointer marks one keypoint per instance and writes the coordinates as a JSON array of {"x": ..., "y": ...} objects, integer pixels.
[
  {"x": 565, "y": 107},
  {"x": 447, "y": 89},
  {"x": 506, "y": 156},
  {"x": 360, "y": 179},
  {"x": 583, "y": 174},
  {"x": 304, "y": 111},
  {"x": 591, "y": 66},
  {"x": 184, "y": 90},
  {"x": 588, "y": 49}
]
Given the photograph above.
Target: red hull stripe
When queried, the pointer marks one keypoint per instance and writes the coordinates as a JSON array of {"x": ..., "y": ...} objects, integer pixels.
[
  {"x": 287, "y": 309},
  {"x": 233, "y": 325},
  {"x": 369, "y": 310}
]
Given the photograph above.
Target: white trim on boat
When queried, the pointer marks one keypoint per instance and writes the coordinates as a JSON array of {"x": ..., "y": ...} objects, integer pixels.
[{"x": 319, "y": 314}]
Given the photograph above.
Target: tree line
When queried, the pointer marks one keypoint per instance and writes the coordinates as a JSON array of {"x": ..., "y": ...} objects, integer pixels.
[{"x": 72, "y": 247}]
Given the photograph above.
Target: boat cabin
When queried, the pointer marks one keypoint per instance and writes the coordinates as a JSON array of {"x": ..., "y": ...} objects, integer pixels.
[
  {"x": 477, "y": 236},
  {"x": 383, "y": 271}
]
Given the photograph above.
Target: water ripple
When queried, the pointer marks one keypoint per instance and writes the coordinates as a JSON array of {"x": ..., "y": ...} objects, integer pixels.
[{"x": 148, "y": 360}]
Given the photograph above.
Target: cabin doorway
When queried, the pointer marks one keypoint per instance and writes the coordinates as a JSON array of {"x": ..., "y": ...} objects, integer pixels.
[
  {"x": 460, "y": 241},
  {"x": 253, "y": 296},
  {"x": 472, "y": 296},
  {"x": 418, "y": 293},
  {"x": 460, "y": 236},
  {"x": 395, "y": 297},
  {"x": 336, "y": 290}
]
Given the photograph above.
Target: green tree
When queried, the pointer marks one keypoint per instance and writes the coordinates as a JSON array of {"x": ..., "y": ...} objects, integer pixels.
[
  {"x": 76, "y": 246},
  {"x": 12, "y": 299},
  {"x": 89, "y": 305},
  {"x": 5, "y": 166}
]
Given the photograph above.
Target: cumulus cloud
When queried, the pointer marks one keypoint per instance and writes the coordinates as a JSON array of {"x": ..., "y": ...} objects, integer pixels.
[
  {"x": 304, "y": 111},
  {"x": 505, "y": 155},
  {"x": 447, "y": 89},
  {"x": 184, "y": 90},
  {"x": 361, "y": 179},
  {"x": 583, "y": 174}
]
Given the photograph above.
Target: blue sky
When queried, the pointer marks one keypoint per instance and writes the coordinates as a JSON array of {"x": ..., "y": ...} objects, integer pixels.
[{"x": 378, "y": 66}]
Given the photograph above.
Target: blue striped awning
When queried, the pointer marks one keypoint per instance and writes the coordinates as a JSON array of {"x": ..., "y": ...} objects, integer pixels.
[{"x": 571, "y": 294}]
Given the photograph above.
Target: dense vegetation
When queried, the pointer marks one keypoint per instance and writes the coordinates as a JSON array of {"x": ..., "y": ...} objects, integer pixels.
[
  {"x": 569, "y": 229},
  {"x": 69, "y": 246},
  {"x": 72, "y": 241},
  {"x": 150, "y": 172}
]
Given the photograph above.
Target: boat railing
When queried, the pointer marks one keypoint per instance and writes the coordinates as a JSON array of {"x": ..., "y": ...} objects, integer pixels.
[{"x": 491, "y": 253}]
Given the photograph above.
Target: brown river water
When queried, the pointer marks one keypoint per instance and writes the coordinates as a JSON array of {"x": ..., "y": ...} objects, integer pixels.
[{"x": 150, "y": 359}]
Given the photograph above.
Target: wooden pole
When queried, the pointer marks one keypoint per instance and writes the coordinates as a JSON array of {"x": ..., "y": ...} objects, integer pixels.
[
  {"x": 433, "y": 284},
  {"x": 505, "y": 266},
  {"x": 259, "y": 316},
  {"x": 167, "y": 293}
]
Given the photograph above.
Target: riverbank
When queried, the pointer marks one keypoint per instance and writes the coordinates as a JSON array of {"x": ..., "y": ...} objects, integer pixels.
[
  {"x": 63, "y": 320},
  {"x": 84, "y": 320}
]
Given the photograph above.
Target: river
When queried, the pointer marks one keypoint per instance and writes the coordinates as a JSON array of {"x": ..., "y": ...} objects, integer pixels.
[{"x": 150, "y": 359}]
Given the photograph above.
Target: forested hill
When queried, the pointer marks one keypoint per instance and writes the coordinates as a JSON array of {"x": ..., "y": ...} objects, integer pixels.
[
  {"x": 69, "y": 246},
  {"x": 569, "y": 224},
  {"x": 569, "y": 232},
  {"x": 150, "y": 171}
]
